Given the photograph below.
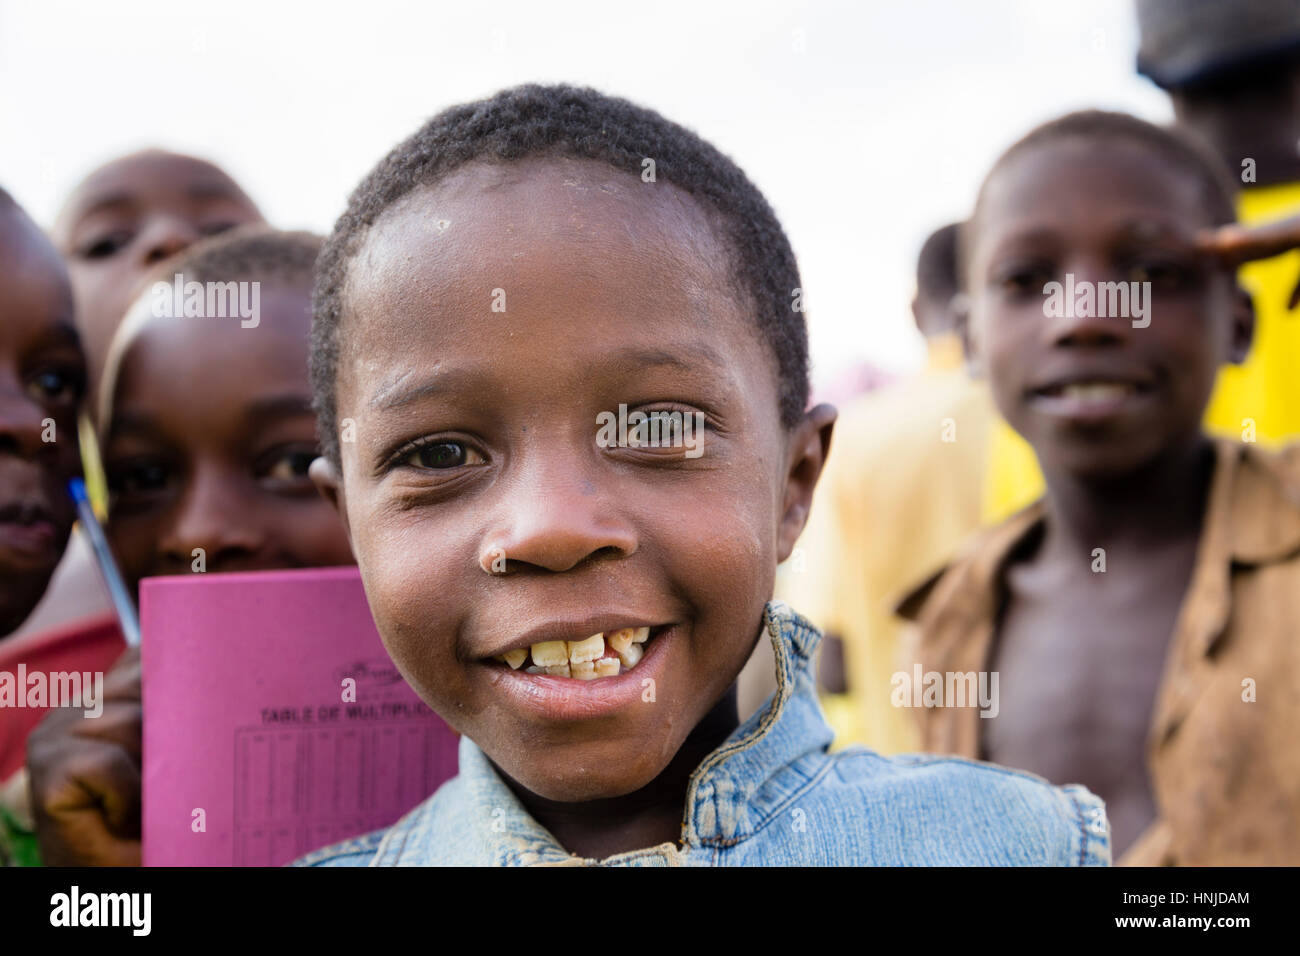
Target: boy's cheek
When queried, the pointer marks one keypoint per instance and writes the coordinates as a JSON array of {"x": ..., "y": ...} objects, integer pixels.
[
  {"x": 724, "y": 558},
  {"x": 132, "y": 543},
  {"x": 312, "y": 531},
  {"x": 65, "y": 464},
  {"x": 1001, "y": 357},
  {"x": 99, "y": 293},
  {"x": 412, "y": 589}
]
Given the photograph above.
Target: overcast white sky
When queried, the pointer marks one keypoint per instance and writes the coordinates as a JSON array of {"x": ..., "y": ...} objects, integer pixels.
[{"x": 866, "y": 124}]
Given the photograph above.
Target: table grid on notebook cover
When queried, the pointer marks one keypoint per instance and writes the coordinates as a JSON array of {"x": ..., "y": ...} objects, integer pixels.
[{"x": 298, "y": 789}]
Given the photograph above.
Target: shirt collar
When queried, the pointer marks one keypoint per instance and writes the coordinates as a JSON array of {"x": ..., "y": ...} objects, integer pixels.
[
  {"x": 1265, "y": 502},
  {"x": 476, "y": 820}
]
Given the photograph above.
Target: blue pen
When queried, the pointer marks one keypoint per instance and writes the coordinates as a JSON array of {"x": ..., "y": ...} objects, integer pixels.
[{"x": 121, "y": 597}]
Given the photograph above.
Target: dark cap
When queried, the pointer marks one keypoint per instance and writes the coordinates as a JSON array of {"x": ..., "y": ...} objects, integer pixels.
[{"x": 1191, "y": 42}]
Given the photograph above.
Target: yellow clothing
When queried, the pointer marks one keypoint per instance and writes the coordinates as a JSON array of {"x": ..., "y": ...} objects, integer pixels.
[
  {"x": 1264, "y": 392},
  {"x": 899, "y": 493}
]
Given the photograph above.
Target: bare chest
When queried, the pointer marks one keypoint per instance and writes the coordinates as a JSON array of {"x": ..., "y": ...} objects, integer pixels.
[{"x": 1078, "y": 670}]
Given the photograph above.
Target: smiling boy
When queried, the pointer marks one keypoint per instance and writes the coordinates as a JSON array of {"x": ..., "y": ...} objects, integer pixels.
[
  {"x": 1142, "y": 614},
  {"x": 42, "y": 382},
  {"x": 498, "y": 283},
  {"x": 207, "y": 432}
]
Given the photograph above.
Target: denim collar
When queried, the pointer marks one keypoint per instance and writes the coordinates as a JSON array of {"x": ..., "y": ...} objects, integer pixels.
[{"x": 475, "y": 820}]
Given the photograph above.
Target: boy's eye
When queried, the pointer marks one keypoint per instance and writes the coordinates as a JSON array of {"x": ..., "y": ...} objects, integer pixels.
[
  {"x": 1161, "y": 275},
  {"x": 141, "y": 477},
  {"x": 57, "y": 386},
  {"x": 286, "y": 466},
  {"x": 659, "y": 433},
  {"x": 440, "y": 455},
  {"x": 1024, "y": 280},
  {"x": 214, "y": 228},
  {"x": 101, "y": 247}
]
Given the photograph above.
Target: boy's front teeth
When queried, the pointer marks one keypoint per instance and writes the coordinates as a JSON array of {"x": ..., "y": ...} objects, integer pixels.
[
  {"x": 550, "y": 653},
  {"x": 581, "y": 652},
  {"x": 585, "y": 659},
  {"x": 1097, "y": 391},
  {"x": 590, "y": 670}
]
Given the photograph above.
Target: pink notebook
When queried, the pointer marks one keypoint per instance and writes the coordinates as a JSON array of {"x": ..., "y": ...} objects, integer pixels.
[{"x": 274, "y": 720}]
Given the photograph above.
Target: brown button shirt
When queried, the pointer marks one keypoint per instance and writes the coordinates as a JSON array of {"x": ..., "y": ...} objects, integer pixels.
[{"x": 1224, "y": 744}]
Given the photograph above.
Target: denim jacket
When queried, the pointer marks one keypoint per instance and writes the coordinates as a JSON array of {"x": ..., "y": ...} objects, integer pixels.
[{"x": 772, "y": 795}]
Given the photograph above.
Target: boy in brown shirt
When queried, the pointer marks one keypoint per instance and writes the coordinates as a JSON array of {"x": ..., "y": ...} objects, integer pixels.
[{"x": 1141, "y": 618}]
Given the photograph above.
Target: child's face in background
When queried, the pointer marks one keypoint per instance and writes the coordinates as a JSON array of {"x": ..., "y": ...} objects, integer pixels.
[
  {"x": 211, "y": 436},
  {"x": 127, "y": 217},
  {"x": 1096, "y": 395},
  {"x": 42, "y": 381},
  {"x": 484, "y": 514}
]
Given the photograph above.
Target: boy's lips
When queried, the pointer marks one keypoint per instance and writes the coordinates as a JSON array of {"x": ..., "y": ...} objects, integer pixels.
[
  {"x": 28, "y": 531},
  {"x": 1090, "y": 397},
  {"x": 549, "y": 698}
]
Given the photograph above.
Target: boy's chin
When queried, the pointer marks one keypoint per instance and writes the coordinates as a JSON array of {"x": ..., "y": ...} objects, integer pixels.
[
  {"x": 1113, "y": 458},
  {"x": 572, "y": 777}
]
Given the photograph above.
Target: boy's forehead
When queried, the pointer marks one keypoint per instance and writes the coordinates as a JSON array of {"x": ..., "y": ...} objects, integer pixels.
[
  {"x": 158, "y": 351},
  {"x": 587, "y": 264},
  {"x": 1072, "y": 184},
  {"x": 194, "y": 343},
  {"x": 284, "y": 316},
  {"x": 21, "y": 241},
  {"x": 26, "y": 254},
  {"x": 515, "y": 223},
  {"x": 132, "y": 178},
  {"x": 214, "y": 407},
  {"x": 549, "y": 198}
]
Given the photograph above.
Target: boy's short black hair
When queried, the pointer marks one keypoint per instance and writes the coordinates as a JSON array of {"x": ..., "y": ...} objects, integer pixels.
[
  {"x": 1180, "y": 150},
  {"x": 566, "y": 121},
  {"x": 936, "y": 266}
]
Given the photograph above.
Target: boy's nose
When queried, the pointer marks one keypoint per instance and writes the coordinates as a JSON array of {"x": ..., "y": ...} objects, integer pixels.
[
  {"x": 1082, "y": 327},
  {"x": 556, "y": 527},
  {"x": 164, "y": 236},
  {"x": 214, "y": 516}
]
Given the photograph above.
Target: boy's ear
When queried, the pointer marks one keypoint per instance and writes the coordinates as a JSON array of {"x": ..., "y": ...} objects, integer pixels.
[
  {"x": 810, "y": 443},
  {"x": 1243, "y": 325},
  {"x": 330, "y": 484},
  {"x": 964, "y": 327}
]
